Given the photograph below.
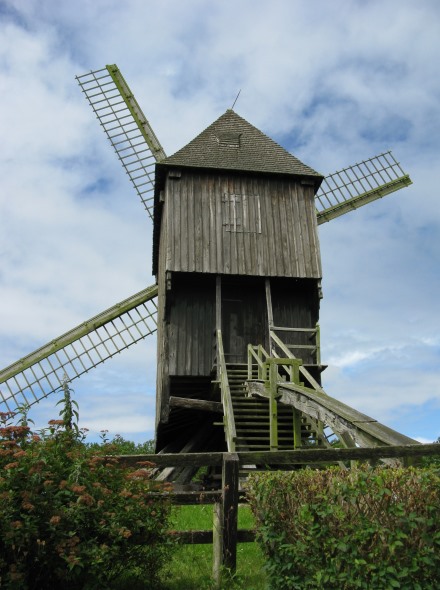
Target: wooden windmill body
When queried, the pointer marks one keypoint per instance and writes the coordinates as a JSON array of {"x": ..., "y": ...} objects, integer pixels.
[
  {"x": 236, "y": 250},
  {"x": 238, "y": 286}
]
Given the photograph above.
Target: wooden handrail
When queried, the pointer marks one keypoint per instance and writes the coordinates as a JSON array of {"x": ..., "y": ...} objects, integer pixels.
[
  {"x": 257, "y": 357},
  {"x": 230, "y": 431},
  {"x": 302, "y": 369},
  {"x": 282, "y": 329}
]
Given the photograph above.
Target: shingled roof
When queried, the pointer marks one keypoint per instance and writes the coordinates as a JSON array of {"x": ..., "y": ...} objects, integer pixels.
[{"x": 231, "y": 143}]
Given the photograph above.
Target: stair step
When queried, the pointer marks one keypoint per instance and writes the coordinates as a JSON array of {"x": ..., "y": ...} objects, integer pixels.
[
  {"x": 248, "y": 438},
  {"x": 253, "y": 447},
  {"x": 240, "y": 410}
]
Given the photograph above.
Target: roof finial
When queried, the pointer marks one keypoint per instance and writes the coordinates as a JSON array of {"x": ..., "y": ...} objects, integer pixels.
[{"x": 236, "y": 98}]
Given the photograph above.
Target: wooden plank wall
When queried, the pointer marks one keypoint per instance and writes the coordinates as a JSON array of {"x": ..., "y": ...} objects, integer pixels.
[
  {"x": 162, "y": 375},
  {"x": 191, "y": 336},
  {"x": 248, "y": 293},
  {"x": 199, "y": 238}
]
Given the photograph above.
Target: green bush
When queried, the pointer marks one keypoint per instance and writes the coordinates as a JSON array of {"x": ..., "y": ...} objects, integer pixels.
[
  {"x": 72, "y": 518},
  {"x": 338, "y": 529}
]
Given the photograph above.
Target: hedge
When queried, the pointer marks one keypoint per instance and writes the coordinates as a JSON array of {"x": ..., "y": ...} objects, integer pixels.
[{"x": 372, "y": 528}]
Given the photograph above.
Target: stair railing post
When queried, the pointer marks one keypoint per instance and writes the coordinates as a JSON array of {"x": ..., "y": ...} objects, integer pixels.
[
  {"x": 225, "y": 521},
  {"x": 297, "y": 438},
  {"x": 318, "y": 344},
  {"x": 260, "y": 364},
  {"x": 297, "y": 442},
  {"x": 273, "y": 407}
]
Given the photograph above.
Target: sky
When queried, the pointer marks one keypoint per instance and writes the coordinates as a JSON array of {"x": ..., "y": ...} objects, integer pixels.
[{"x": 334, "y": 82}]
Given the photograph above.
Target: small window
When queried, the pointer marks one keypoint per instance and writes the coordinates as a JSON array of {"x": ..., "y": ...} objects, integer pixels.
[
  {"x": 241, "y": 213},
  {"x": 229, "y": 139}
]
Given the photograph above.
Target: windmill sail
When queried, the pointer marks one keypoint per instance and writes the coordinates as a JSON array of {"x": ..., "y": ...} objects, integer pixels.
[
  {"x": 127, "y": 128},
  {"x": 358, "y": 185},
  {"x": 88, "y": 345},
  {"x": 42, "y": 372}
]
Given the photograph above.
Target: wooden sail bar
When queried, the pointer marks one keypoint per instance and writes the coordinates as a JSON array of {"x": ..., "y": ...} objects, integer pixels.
[
  {"x": 358, "y": 185},
  {"x": 126, "y": 127},
  {"x": 42, "y": 372}
]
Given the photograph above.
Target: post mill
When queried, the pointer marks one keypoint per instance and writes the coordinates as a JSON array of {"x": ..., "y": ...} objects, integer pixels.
[{"x": 238, "y": 287}]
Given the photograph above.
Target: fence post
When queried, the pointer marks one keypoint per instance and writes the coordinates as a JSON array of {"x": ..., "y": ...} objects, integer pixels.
[{"x": 225, "y": 520}]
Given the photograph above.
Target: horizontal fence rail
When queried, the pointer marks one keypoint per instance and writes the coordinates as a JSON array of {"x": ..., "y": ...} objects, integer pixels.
[
  {"x": 225, "y": 535},
  {"x": 295, "y": 457}
]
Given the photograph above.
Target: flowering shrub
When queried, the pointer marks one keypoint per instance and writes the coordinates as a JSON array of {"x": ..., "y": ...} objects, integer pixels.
[
  {"x": 70, "y": 517},
  {"x": 345, "y": 529}
]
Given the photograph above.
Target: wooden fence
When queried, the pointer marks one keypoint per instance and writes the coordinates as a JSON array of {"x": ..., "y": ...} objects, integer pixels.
[{"x": 225, "y": 535}]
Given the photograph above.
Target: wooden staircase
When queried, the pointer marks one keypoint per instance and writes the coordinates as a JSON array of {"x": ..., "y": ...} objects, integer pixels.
[{"x": 252, "y": 418}]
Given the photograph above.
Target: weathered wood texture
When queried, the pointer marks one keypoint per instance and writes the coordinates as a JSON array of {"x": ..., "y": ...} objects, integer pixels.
[
  {"x": 162, "y": 376},
  {"x": 364, "y": 430},
  {"x": 296, "y": 457},
  {"x": 225, "y": 518},
  {"x": 295, "y": 304},
  {"x": 191, "y": 324},
  {"x": 271, "y": 230},
  {"x": 196, "y": 497},
  {"x": 244, "y": 316},
  {"x": 195, "y": 404},
  {"x": 206, "y": 537}
]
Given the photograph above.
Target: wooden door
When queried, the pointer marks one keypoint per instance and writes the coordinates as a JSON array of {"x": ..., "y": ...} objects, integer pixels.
[{"x": 244, "y": 317}]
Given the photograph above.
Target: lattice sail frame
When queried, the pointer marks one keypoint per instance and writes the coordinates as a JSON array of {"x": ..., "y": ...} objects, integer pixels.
[
  {"x": 126, "y": 127},
  {"x": 357, "y": 185},
  {"x": 44, "y": 371}
]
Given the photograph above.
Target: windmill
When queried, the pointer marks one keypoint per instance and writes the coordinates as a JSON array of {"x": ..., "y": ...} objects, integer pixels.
[{"x": 236, "y": 304}]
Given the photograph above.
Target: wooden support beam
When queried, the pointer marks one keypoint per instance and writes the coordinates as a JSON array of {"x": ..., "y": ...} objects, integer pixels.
[
  {"x": 225, "y": 520},
  {"x": 196, "y": 404},
  {"x": 207, "y": 537},
  {"x": 184, "y": 473},
  {"x": 365, "y": 431},
  {"x": 195, "y": 497},
  {"x": 296, "y": 457}
]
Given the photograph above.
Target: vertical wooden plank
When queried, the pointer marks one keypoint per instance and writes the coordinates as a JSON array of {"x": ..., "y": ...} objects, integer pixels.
[
  {"x": 298, "y": 215},
  {"x": 230, "y": 474},
  {"x": 309, "y": 253},
  {"x": 296, "y": 429},
  {"x": 165, "y": 394},
  {"x": 269, "y": 314},
  {"x": 209, "y": 242},
  {"x": 287, "y": 224},
  {"x": 225, "y": 520},
  {"x": 269, "y": 303},
  {"x": 218, "y": 303},
  {"x": 257, "y": 242},
  {"x": 293, "y": 235},
  {"x": 217, "y": 544},
  {"x": 218, "y": 223}
]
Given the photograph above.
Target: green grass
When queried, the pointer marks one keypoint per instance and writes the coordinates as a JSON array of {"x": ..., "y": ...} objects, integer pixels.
[{"x": 191, "y": 565}]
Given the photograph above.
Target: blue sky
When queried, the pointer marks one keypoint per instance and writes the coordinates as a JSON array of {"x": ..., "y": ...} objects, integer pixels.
[{"x": 333, "y": 82}]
